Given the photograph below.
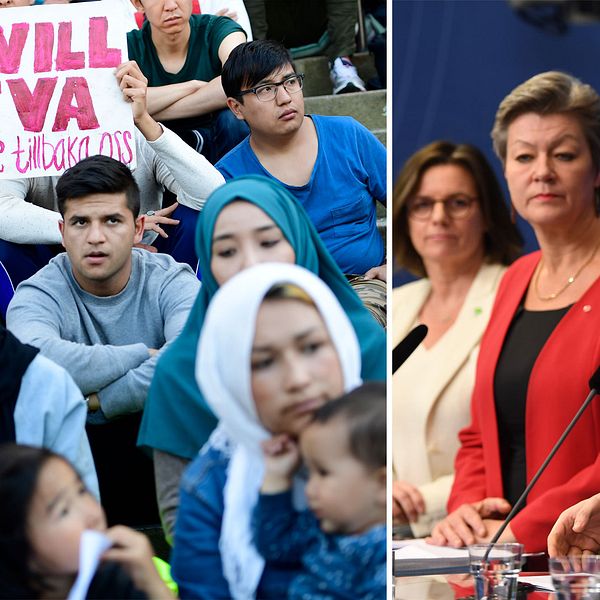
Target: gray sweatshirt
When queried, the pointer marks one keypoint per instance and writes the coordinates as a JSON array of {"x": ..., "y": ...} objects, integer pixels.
[{"x": 103, "y": 342}]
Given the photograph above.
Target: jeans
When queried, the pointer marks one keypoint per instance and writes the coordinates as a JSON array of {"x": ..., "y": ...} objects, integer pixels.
[{"x": 213, "y": 141}]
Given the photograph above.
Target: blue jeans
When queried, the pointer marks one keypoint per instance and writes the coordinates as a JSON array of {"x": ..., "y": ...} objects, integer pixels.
[
  {"x": 21, "y": 261},
  {"x": 223, "y": 133},
  {"x": 181, "y": 241}
]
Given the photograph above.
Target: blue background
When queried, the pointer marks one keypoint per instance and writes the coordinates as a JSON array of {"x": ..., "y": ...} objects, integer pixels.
[{"x": 455, "y": 60}]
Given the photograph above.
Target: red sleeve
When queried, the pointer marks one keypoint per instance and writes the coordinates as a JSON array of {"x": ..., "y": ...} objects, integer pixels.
[
  {"x": 533, "y": 524},
  {"x": 469, "y": 466}
]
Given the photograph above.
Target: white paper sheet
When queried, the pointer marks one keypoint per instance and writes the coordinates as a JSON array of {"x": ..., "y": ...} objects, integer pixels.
[
  {"x": 419, "y": 548},
  {"x": 91, "y": 547},
  {"x": 542, "y": 582}
]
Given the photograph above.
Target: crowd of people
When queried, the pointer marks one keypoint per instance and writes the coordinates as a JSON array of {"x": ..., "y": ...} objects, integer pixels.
[{"x": 187, "y": 341}]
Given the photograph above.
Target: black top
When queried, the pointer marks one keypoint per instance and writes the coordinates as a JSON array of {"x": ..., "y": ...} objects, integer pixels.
[
  {"x": 110, "y": 582},
  {"x": 526, "y": 336},
  {"x": 15, "y": 359}
]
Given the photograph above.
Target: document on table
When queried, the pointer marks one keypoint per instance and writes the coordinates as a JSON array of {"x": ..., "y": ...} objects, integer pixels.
[
  {"x": 417, "y": 557},
  {"x": 541, "y": 582}
]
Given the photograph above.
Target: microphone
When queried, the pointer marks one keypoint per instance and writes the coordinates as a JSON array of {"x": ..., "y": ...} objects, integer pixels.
[
  {"x": 407, "y": 346},
  {"x": 594, "y": 384}
]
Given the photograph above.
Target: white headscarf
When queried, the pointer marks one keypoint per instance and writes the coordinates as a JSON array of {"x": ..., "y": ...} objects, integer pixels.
[{"x": 223, "y": 373}]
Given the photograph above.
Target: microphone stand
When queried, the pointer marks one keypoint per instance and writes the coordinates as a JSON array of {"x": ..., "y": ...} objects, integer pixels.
[{"x": 594, "y": 384}]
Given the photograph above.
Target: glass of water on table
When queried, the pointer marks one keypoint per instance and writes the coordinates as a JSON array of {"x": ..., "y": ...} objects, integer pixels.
[
  {"x": 576, "y": 577},
  {"x": 495, "y": 570}
]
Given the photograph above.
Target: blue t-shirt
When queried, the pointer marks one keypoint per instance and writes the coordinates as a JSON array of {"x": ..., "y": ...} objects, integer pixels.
[
  {"x": 336, "y": 566},
  {"x": 349, "y": 175}
]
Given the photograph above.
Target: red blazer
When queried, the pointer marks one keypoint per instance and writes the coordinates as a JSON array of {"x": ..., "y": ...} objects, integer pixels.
[{"x": 557, "y": 387}]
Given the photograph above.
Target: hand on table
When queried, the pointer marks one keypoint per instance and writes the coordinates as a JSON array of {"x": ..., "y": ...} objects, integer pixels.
[
  {"x": 408, "y": 502},
  {"x": 577, "y": 529},
  {"x": 471, "y": 523}
]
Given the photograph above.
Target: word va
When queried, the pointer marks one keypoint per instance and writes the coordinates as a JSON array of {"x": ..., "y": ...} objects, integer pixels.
[{"x": 75, "y": 101}]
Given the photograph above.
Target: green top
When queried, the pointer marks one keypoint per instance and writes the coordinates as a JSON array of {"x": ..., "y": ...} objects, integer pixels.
[
  {"x": 207, "y": 32},
  {"x": 176, "y": 418}
]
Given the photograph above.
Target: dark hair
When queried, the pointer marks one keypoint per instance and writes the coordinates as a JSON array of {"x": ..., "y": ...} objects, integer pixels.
[
  {"x": 364, "y": 410},
  {"x": 98, "y": 175},
  {"x": 248, "y": 64},
  {"x": 502, "y": 240},
  {"x": 20, "y": 467}
]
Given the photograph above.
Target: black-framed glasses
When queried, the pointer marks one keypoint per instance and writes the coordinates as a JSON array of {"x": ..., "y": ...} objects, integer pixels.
[
  {"x": 456, "y": 207},
  {"x": 268, "y": 91}
]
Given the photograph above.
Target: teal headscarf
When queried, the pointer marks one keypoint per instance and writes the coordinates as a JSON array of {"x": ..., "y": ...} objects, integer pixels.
[{"x": 176, "y": 418}]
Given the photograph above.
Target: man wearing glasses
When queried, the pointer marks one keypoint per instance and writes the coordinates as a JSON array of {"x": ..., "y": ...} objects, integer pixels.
[{"x": 333, "y": 165}]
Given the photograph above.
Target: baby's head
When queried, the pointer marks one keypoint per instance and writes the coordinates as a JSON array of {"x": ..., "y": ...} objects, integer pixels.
[
  {"x": 44, "y": 508},
  {"x": 344, "y": 448}
]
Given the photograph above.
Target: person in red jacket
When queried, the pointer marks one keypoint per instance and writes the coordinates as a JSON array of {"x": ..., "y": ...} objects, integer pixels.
[{"x": 542, "y": 343}]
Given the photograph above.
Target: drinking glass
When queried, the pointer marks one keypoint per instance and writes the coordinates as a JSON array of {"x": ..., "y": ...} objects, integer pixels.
[
  {"x": 576, "y": 577},
  {"x": 496, "y": 570}
]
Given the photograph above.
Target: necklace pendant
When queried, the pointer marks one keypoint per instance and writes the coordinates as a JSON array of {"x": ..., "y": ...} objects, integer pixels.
[{"x": 571, "y": 280}]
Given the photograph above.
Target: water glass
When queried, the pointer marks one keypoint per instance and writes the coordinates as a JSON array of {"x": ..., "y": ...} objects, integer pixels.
[
  {"x": 576, "y": 577},
  {"x": 495, "y": 570}
]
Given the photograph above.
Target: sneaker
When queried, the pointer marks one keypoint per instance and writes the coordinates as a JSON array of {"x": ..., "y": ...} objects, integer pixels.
[{"x": 344, "y": 76}]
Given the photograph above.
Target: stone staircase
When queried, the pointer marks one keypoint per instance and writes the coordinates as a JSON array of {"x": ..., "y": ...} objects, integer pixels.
[{"x": 367, "y": 107}]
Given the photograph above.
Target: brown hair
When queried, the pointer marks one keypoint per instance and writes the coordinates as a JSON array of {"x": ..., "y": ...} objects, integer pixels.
[
  {"x": 502, "y": 240},
  {"x": 552, "y": 92},
  {"x": 364, "y": 411}
]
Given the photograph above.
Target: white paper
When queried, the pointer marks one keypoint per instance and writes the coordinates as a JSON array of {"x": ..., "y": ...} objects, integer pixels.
[
  {"x": 420, "y": 549},
  {"x": 91, "y": 547},
  {"x": 59, "y": 99},
  {"x": 542, "y": 582}
]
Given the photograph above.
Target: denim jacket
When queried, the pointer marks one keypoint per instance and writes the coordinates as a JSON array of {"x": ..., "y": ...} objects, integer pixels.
[{"x": 196, "y": 559}]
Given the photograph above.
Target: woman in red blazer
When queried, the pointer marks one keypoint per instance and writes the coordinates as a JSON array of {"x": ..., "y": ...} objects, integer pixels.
[{"x": 542, "y": 343}]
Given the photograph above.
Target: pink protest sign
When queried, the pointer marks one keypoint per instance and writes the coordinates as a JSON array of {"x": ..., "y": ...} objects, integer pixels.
[{"x": 59, "y": 99}]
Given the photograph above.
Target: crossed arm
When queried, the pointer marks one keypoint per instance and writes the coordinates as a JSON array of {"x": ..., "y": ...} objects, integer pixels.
[{"x": 192, "y": 98}]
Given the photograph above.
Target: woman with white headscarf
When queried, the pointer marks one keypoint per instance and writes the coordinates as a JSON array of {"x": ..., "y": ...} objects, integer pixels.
[{"x": 275, "y": 346}]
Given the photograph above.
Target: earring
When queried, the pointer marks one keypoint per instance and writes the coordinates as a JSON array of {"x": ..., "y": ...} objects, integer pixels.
[{"x": 513, "y": 214}]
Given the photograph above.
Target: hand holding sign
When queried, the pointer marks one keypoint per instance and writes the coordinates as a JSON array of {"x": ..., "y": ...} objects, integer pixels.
[
  {"x": 134, "y": 86},
  {"x": 58, "y": 100}
]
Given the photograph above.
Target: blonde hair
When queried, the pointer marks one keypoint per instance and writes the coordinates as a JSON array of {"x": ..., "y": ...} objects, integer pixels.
[
  {"x": 552, "y": 92},
  {"x": 289, "y": 291}
]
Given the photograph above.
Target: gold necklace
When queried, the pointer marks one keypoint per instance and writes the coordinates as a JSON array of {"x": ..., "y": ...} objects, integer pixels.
[{"x": 570, "y": 280}]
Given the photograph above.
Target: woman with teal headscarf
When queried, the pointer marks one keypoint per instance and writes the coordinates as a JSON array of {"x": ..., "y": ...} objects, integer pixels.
[{"x": 176, "y": 420}]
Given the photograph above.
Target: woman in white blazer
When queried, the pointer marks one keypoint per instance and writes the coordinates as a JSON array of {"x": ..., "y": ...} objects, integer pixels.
[{"x": 452, "y": 228}]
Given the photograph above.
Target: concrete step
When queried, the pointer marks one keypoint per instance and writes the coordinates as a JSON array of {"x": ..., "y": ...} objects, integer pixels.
[
  {"x": 380, "y": 134},
  {"x": 366, "y": 107},
  {"x": 316, "y": 72}
]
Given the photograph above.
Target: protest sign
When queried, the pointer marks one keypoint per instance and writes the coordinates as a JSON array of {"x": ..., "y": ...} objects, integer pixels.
[{"x": 59, "y": 99}]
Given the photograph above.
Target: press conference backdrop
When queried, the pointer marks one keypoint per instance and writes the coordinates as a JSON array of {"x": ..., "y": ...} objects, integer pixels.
[{"x": 454, "y": 61}]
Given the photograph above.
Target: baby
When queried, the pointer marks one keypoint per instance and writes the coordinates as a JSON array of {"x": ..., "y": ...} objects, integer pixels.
[{"x": 340, "y": 542}]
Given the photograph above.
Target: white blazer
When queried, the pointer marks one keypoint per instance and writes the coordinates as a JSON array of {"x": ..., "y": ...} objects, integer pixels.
[{"x": 431, "y": 392}]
